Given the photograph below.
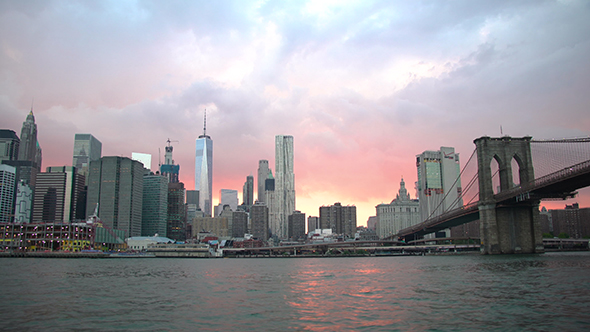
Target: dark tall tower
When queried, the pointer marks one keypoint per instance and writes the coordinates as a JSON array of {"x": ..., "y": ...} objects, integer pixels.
[
  {"x": 116, "y": 184},
  {"x": 29, "y": 149},
  {"x": 248, "y": 191},
  {"x": 9, "y": 144}
]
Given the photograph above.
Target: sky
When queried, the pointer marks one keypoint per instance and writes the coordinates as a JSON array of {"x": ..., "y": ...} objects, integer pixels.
[{"x": 362, "y": 86}]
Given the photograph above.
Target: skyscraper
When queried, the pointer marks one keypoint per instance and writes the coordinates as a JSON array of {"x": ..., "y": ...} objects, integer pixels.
[
  {"x": 296, "y": 226},
  {"x": 86, "y": 149},
  {"x": 144, "y": 158},
  {"x": 439, "y": 185},
  {"x": 262, "y": 176},
  {"x": 29, "y": 148},
  {"x": 228, "y": 197},
  {"x": 259, "y": 221},
  {"x": 9, "y": 144},
  {"x": 341, "y": 219},
  {"x": 116, "y": 184},
  {"x": 176, "y": 225},
  {"x": 56, "y": 196},
  {"x": 284, "y": 185},
  {"x": 7, "y": 190},
  {"x": 169, "y": 169},
  {"x": 204, "y": 170},
  {"x": 155, "y": 205},
  {"x": 248, "y": 191}
]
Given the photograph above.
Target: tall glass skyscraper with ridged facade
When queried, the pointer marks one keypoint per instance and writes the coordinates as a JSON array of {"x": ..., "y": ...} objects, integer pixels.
[
  {"x": 204, "y": 171},
  {"x": 284, "y": 202}
]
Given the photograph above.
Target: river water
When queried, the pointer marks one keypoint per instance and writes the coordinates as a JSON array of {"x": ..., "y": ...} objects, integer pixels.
[{"x": 549, "y": 292}]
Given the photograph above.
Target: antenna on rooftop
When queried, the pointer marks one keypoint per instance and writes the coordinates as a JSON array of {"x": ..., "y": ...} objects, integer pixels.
[{"x": 205, "y": 124}]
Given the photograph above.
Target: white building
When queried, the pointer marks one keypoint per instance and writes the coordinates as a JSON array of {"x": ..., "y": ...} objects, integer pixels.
[
  {"x": 142, "y": 242},
  {"x": 402, "y": 212},
  {"x": 439, "y": 185},
  {"x": 284, "y": 201},
  {"x": 7, "y": 187},
  {"x": 144, "y": 158},
  {"x": 204, "y": 171}
]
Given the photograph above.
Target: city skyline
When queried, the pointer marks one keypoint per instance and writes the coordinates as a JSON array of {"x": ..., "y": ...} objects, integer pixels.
[{"x": 363, "y": 87}]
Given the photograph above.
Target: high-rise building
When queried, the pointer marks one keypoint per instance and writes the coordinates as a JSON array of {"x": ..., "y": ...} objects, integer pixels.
[
  {"x": 116, "y": 185},
  {"x": 572, "y": 221},
  {"x": 57, "y": 193},
  {"x": 192, "y": 205},
  {"x": 284, "y": 203},
  {"x": 439, "y": 184},
  {"x": 237, "y": 221},
  {"x": 155, "y": 205},
  {"x": 9, "y": 145},
  {"x": 228, "y": 197},
  {"x": 29, "y": 149},
  {"x": 24, "y": 203},
  {"x": 313, "y": 223},
  {"x": 248, "y": 191},
  {"x": 7, "y": 192},
  {"x": 263, "y": 171},
  {"x": 176, "y": 228},
  {"x": 259, "y": 221},
  {"x": 86, "y": 149},
  {"x": 204, "y": 171},
  {"x": 144, "y": 158},
  {"x": 341, "y": 219},
  {"x": 401, "y": 213},
  {"x": 296, "y": 226},
  {"x": 169, "y": 169}
]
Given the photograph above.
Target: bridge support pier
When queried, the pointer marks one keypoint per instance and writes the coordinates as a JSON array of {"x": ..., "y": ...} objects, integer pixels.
[
  {"x": 507, "y": 228},
  {"x": 510, "y": 229}
]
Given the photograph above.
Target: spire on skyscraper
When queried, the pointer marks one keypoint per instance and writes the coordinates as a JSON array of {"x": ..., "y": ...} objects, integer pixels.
[{"x": 205, "y": 126}]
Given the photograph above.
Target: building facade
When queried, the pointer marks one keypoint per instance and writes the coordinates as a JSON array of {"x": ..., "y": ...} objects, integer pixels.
[
  {"x": 9, "y": 145},
  {"x": 176, "y": 225},
  {"x": 248, "y": 191},
  {"x": 259, "y": 221},
  {"x": 204, "y": 171},
  {"x": 401, "y": 213},
  {"x": 57, "y": 194},
  {"x": 340, "y": 219},
  {"x": 23, "y": 204},
  {"x": 313, "y": 223},
  {"x": 217, "y": 226},
  {"x": 116, "y": 185},
  {"x": 154, "y": 214},
  {"x": 169, "y": 169},
  {"x": 29, "y": 149},
  {"x": 572, "y": 222},
  {"x": 297, "y": 226},
  {"x": 263, "y": 171},
  {"x": 86, "y": 149},
  {"x": 439, "y": 184},
  {"x": 284, "y": 202},
  {"x": 7, "y": 193}
]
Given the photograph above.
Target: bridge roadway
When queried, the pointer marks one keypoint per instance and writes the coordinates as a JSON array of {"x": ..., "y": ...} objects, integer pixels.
[{"x": 558, "y": 185}]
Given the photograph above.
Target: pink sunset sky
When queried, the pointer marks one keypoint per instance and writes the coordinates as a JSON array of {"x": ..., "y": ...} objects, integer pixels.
[{"x": 363, "y": 86}]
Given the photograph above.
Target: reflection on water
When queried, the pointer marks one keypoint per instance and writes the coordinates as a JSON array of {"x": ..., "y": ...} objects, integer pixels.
[{"x": 462, "y": 293}]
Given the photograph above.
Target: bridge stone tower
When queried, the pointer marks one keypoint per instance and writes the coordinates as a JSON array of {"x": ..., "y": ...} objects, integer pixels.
[{"x": 507, "y": 227}]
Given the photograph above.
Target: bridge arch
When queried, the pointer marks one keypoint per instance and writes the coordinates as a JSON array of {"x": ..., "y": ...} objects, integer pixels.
[{"x": 506, "y": 228}]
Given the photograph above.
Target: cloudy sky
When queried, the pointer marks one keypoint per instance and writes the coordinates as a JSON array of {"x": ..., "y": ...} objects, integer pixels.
[{"x": 363, "y": 86}]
